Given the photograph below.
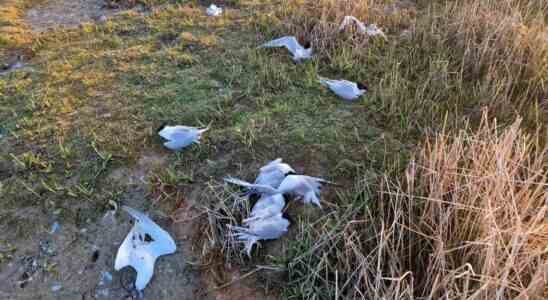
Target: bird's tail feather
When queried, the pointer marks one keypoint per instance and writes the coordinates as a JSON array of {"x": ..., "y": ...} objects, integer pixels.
[
  {"x": 202, "y": 130},
  {"x": 324, "y": 81}
]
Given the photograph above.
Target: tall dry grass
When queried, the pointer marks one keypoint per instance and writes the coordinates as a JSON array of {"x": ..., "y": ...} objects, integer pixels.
[
  {"x": 467, "y": 221},
  {"x": 441, "y": 56},
  {"x": 478, "y": 205}
]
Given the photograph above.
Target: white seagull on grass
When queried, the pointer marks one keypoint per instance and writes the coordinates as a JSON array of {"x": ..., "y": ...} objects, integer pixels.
[
  {"x": 179, "y": 137},
  {"x": 369, "y": 30},
  {"x": 345, "y": 89},
  {"x": 290, "y": 42}
]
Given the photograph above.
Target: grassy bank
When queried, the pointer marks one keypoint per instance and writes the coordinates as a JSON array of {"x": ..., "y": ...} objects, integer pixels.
[{"x": 438, "y": 200}]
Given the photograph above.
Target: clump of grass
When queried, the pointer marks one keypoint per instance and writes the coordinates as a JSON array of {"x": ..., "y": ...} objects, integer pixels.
[
  {"x": 502, "y": 46},
  {"x": 467, "y": 221},
  {"x": 229, "y": 209}
]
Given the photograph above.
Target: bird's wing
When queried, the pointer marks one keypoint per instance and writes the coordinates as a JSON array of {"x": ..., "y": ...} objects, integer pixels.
[
  {"x": 272, "y": 178},
  {"x": 257, "y": 187},
  {"x": 143, "y": 263},
  {"x": 351, "y": 19},
  {"x": 168, "y": 131},
  {"x": 270, "y": 228},
  {"x": 312, "y": 197},
  {"x": 270, "y": 165},
  {"x": 290, "y": 42},
  {"x": 161, "y": 242},
  {"x": 330, "y": 83},
  {"x": 279, "y": 42}
]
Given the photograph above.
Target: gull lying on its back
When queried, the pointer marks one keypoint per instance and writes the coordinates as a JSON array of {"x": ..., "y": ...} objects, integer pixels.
[
  {"x": 345, "y": 89},
  {"x": 370, "y": 30},
  {"x": 305, "y": 187},
  {"x": 143, "y": 245},
  {"x": 290, "y": 42},
  {"x": 179, "y": 137},
  {"x": 268, "y": 228}
]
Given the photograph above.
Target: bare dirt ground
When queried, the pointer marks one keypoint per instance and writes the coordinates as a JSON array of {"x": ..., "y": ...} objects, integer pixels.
[
  {"x": 56, "y": 13},
  {"x": 65, "y": 261}
]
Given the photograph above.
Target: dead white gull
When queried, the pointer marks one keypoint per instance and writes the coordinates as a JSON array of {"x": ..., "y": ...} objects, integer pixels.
[
  {"x": 145, "y": 242},
  {"x": 369, "y": 30},
  {"x": 297, "y": 51},
  {"x": 179, "y": 137},
  {"x": 345, "y": 89}
]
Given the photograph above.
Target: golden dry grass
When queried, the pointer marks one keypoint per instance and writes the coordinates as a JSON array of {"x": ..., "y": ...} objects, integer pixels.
[
  {"x": 476, "y": 205},
  {"x": 468, "y": 220}
]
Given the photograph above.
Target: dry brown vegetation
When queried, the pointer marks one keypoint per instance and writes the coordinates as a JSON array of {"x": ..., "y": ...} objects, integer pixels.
[
  {"x": 467, "y": 221},
  {"x": 470, "y": 219}
]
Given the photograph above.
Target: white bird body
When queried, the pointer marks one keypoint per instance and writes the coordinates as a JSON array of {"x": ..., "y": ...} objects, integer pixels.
[
  {"x": 214, "y": 11},
  {"x": 303, "y": 186},
  {"x": 145, "y": 242},
  {"x": 290, "y": 42},
  {"x": 268, "y": 205},
  {"x": 345, "y": 89},
  {"x": 179, "y": 137},
  {"x": 268, "y": 228},
  {"x": 370, "y": 30}
]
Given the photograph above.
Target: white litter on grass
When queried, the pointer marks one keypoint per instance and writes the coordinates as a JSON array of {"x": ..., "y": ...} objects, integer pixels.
[
  {"x": 298, "y": 52},
  {"x": 269, "y": 228},
  {"x": 370, "y": 30},
  {"x": 179, "y": 137},
  {"x": 145, "y": 242},
  {"x": 345, "y": 89},
  {"x": 214, "y": 11}
]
